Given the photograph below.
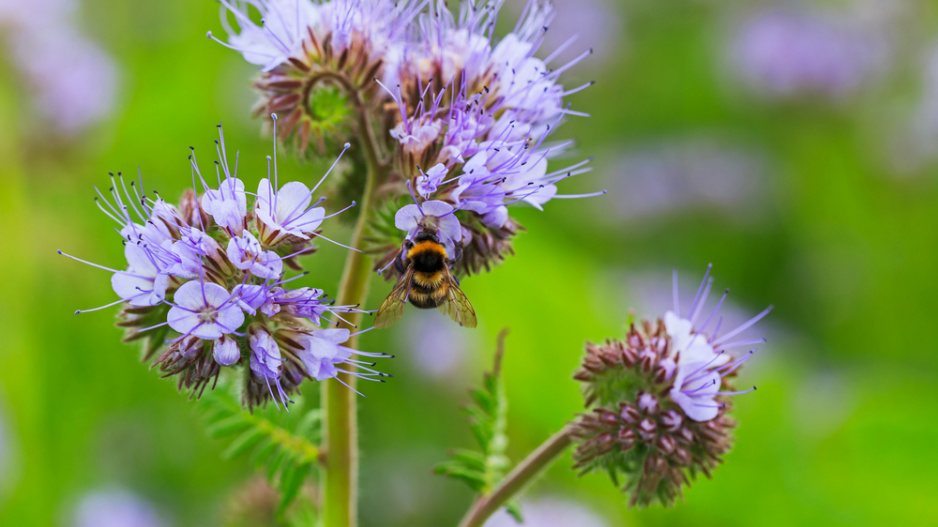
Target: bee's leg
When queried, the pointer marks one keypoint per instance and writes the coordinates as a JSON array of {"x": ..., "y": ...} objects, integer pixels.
[
  {"x": 458, "y": 256},
  {"x": 400, "y": 262}
]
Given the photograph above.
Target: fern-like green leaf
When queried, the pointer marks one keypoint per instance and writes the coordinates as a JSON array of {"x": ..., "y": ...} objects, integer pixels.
[
  {"x": 484, "y": 469},
  {"x": 285, "y": 444}
]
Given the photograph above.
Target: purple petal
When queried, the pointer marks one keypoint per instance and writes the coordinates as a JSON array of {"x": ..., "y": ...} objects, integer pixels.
[
  {"x": 406, "y": 219},
  {"x": 292, "y": 199},
  {"x": 436, "y": 208},
  {"x": 225, "y": 351}
]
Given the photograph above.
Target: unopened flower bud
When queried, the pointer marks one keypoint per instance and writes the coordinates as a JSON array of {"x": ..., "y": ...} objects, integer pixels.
[
  {"x": 647, "y": 403},
  {"x": 667, "y": 408}
]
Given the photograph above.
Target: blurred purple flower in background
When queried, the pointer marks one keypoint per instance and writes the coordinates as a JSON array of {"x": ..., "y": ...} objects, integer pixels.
[
  {"x": 114, "y": 508},
  {"x": 19, "y": 14},
  {"x": 676, "y": 174},
  {"x": 795, "y": 51},
  {"x": 72, "y": 80},
  {"x": 549, "y": 512},
  {"x": 437, "y": 350}
]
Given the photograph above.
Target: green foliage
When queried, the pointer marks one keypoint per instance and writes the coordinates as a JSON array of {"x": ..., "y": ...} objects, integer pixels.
[
  {"x": 614, "y": 385},
  {"x": 328, "y": 113},
  {"x": 135, "y": 318},
  {"x": 484, "y": 469},
  {"x": 284, "y": 444}
]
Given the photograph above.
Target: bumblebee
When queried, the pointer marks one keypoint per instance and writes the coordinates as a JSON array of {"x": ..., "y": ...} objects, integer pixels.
[{"x": 425, "y": 282}]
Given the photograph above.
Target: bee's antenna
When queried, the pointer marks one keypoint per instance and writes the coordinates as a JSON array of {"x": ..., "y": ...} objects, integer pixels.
[{"x": 414, "y": 197}]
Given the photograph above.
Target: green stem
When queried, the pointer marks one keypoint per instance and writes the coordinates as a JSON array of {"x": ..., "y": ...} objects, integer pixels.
[
  {"x": 340, "y": 435},
  {"x": 518, "y": 478}
]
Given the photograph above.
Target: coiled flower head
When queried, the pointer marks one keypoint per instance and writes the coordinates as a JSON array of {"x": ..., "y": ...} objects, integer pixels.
[
  {"x": 313, "y": 56},
  {"x": 206, "y": 284},
  {"x": 660, "y": 401}
]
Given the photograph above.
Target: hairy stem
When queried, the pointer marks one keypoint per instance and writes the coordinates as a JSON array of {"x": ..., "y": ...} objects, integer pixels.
[
  {"x": 340, "y": 438},
  {"x": 518, "y": 478}
]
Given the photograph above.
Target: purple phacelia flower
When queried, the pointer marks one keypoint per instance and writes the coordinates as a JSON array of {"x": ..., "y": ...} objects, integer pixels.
[
  {"x": 204, "y": 310},
  {"x": 431, "y": 180},
  {"x": 225, "y": 351},
  {"x": 207, "y": 307},
  {"x": 437, "y": 215},
  {"x": 478, "y": 111},
  {"x": 143, "y": 283},
  {"x": 659, "y": 400},
  {"x": 247, "y": 254},
  {"x": 227, "y": 204}
]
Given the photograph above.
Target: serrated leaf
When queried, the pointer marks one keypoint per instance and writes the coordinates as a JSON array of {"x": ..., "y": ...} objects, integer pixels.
[
  {"x": 273, "y": 465},
  {"x": 249, "y": 439},
  {"x": 310, "y": 423},
  {"x": 262, "y": 452},
  {"x": 482, "y": 470},
  {"x": 290, "y": 482},
  {"x": 513, "y": 508},
  {"x": 278, "y": 442},
  {"x": 228, "y": 426},
  {"x": 469, "y": 458}
]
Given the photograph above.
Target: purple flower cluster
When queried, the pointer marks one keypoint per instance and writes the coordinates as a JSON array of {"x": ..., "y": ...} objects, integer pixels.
[
  {"x": 474, "y": 117},
  {"x": 462, "y": 118},
  {"x": 207, "y": 282},
  {"x": 660, "y": 399}
]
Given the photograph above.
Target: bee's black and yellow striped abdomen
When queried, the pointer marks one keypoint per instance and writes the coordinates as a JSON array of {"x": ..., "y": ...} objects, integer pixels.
[
  {"x": 429, "y": 286},
  {"x": 426, "y": 282}
]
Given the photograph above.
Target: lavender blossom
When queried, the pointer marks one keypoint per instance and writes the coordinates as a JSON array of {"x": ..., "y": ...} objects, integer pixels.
[
  {"x": 782, "y": 53},
  {"x": 681, "y": 174},
  {"x": 660, "y": 399},
  {"x": 72, "y": 81},
  {"x": 435, "y": 214},
  {"x": 204, "y": 310},
  {"x": 549, "y": 512},
  {"x": 419, "y": 88},
  {"x": 478, "y": 111},
  {"x": 209, "y": 308},
  {"x": 115, "y": 508}
]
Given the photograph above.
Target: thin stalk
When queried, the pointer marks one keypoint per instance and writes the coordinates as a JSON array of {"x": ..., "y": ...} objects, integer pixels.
[
  {"x": 518, "y": 478},
  {"x": 340, "y": 436}
]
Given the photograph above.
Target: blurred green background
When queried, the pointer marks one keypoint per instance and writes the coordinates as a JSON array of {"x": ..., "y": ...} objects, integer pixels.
[{"x": 806, "y": 175}]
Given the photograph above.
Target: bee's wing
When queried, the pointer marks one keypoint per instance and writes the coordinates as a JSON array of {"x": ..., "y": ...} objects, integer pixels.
[
  {"x": 457, "y": 306},
  {"x": 392, "y": 308}
]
